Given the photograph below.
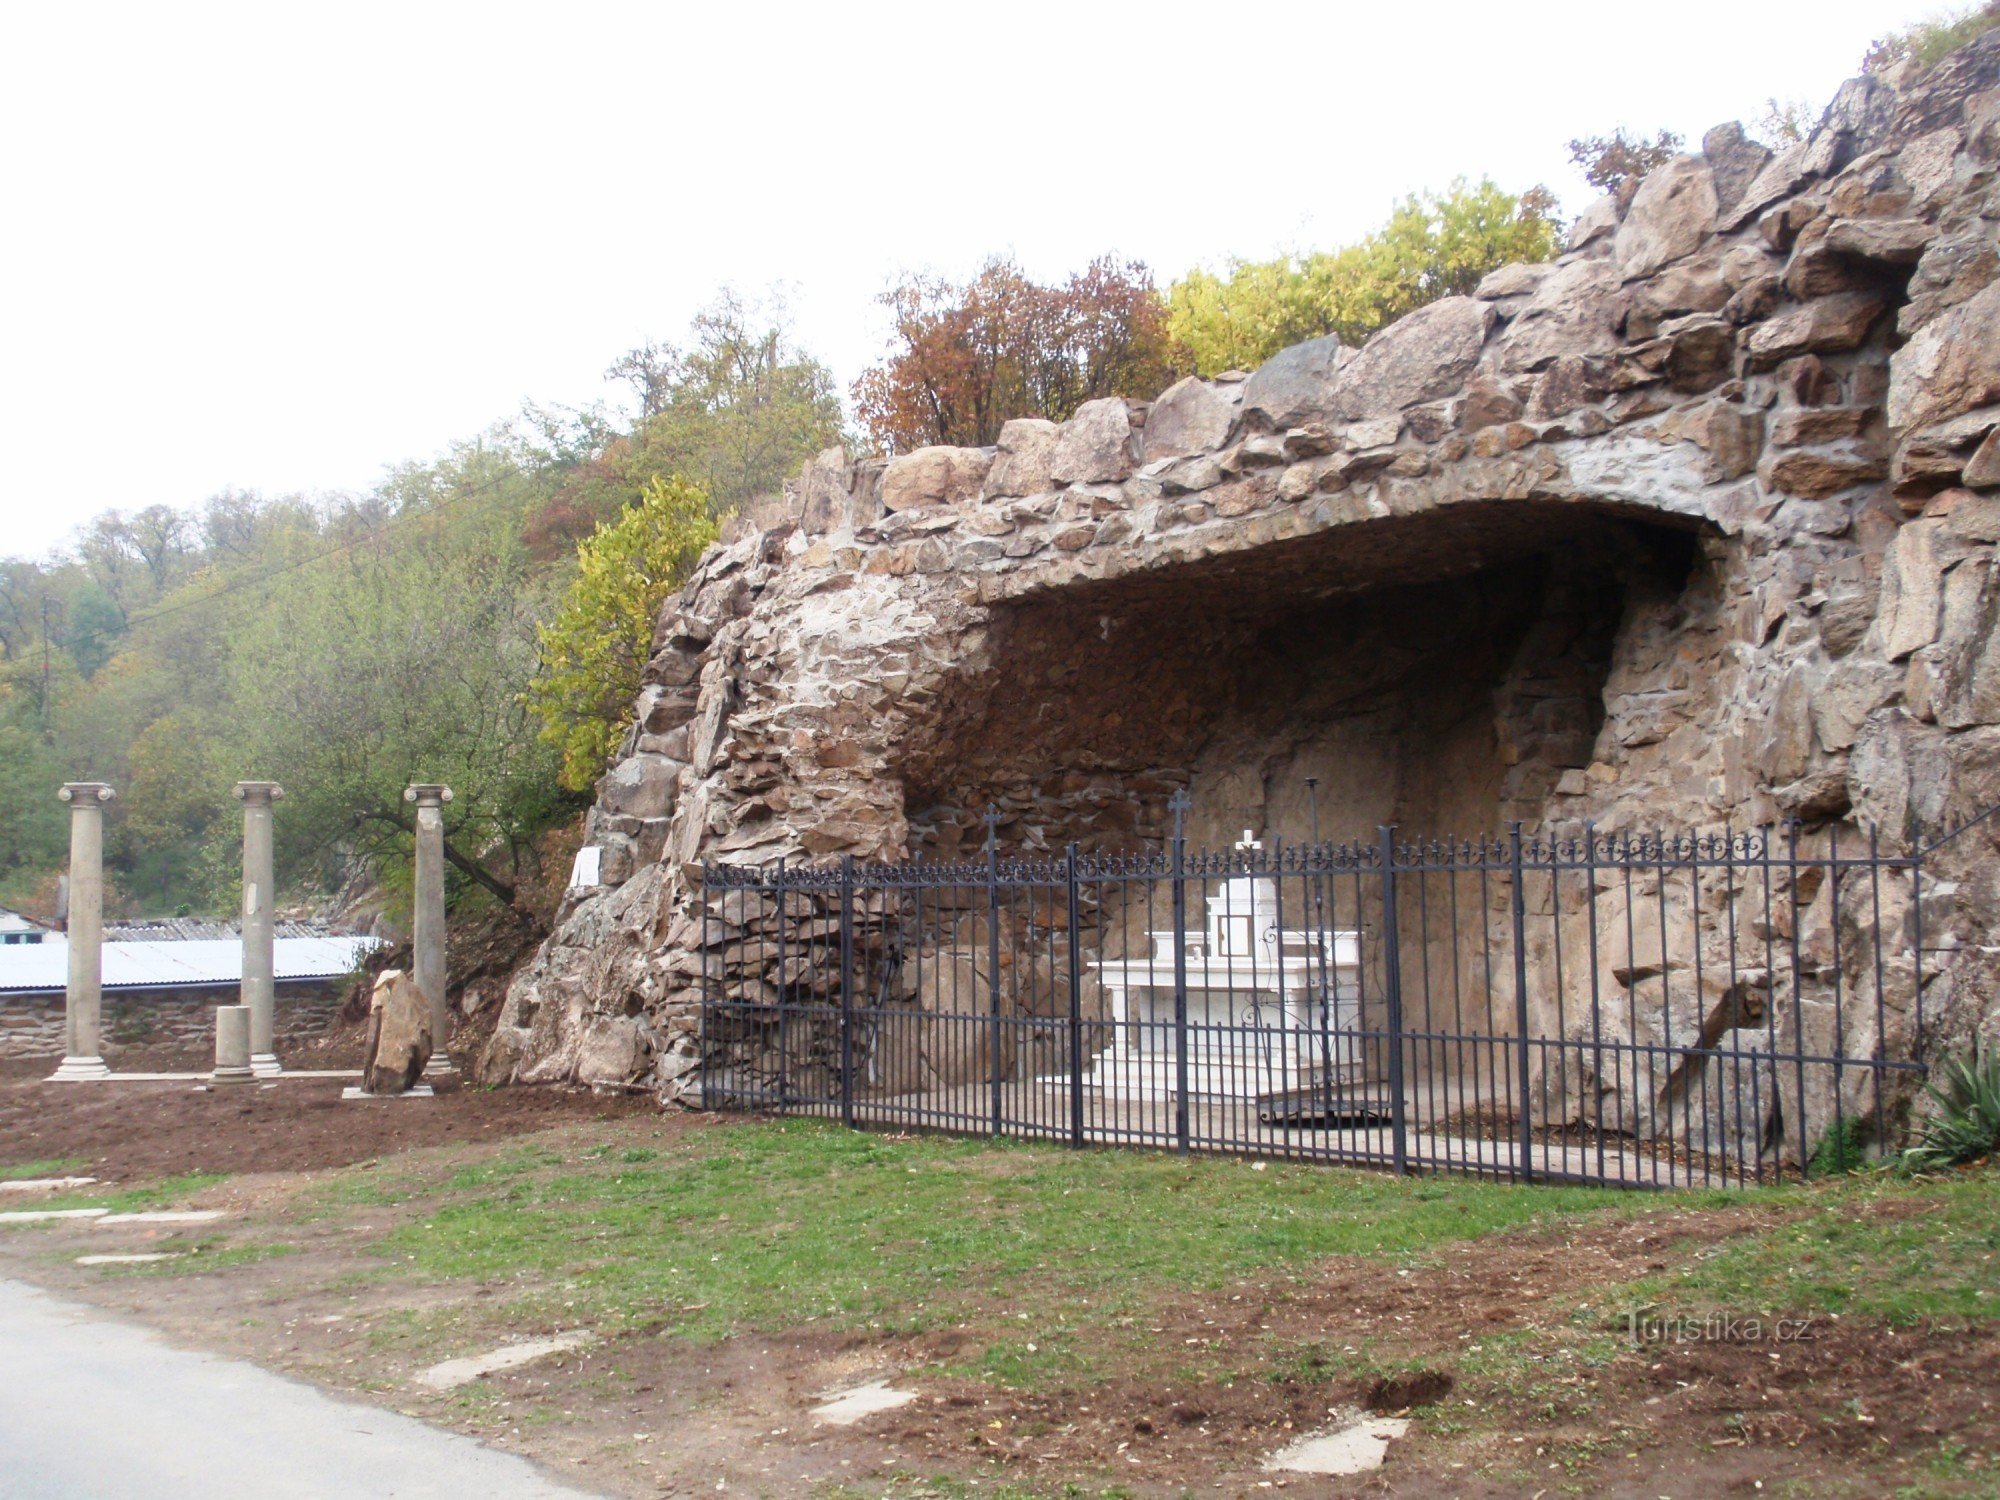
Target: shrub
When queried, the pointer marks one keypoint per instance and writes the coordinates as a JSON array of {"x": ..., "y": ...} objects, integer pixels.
[
  {"x": 596, "y": 648},
  {"x": 1841, "y": 1150},
  {"x": 1929, "y": 43},
  {"x": 1966, "y": 1126}
]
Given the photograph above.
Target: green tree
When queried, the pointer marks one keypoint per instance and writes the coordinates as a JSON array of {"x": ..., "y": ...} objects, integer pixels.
[
  {"x": 398, "y": 661},
  {"x": 1434, "y": 245},
  {"x": 33, "y": 824},
  {"x": 735, "y": 412},
  {"x": 596, "y": 648}
]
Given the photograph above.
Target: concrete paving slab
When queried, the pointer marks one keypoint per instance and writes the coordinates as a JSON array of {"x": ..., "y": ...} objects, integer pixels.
[
  {"x": 419, "y": 1091},
  {"x": 45, "y": 1184},
  {"x": 124, "y": 1260},
  {"x": 165, "y": 1216},
  {"x": 1354, "y": 1449},
  {"x": 48, "y": 1215},
  {"x": 845, "y": 1408},
  {"x": 463, "y": 1371}
]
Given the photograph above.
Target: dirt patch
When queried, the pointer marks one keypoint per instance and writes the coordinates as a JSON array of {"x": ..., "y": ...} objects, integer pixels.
[{"x": 133, "y": 1131}]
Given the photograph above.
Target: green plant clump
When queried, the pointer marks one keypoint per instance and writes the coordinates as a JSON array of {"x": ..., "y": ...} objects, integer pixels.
[
  {"x": 1843, "y": 1149},
  {"x": 1967, "y": 1125}
]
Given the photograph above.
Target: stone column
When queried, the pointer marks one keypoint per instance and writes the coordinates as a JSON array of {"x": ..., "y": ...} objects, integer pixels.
[
  {"x": 259, "y": 939},
  {"x": 427, "y": 931},
  {"x": 233, "y": 1024},
  {"x": 85, "y": 997}
]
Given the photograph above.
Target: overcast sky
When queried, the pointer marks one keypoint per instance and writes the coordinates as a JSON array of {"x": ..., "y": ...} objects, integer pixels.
[{"x": 282, "y": 246}]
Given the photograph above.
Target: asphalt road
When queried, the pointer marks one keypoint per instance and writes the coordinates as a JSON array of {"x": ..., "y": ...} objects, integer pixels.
[{"x": 92, "y": 1408}]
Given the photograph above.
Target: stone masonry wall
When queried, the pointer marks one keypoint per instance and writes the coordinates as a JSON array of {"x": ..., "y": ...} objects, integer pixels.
[
  {"x": 32, "y": 1025},
  {"x": 1711, "y": 502}
]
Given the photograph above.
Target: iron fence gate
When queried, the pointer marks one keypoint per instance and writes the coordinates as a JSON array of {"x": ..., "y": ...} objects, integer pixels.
[{"x": 1650, "y": 1010}]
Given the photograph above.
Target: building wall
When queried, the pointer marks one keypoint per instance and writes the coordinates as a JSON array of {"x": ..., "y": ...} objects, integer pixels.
[{"x": 32, "y": 1025}]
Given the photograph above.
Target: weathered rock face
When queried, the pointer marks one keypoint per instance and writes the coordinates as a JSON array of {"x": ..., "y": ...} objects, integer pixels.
[
  {"x": 399, "y": 1035},
  {"x": 1696, "y": 526}
]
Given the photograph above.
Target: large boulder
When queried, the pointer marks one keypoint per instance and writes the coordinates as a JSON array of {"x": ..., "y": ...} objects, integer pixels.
[
  {"x": 399, "y": 1035},
  {"x": 822, "y": 487},
  {"x": 617, "y": 1052},
  {"x": 1190, "y": 417},
  {"x": 1734, "y": 160},
  {"x": 1672, "y": 213},
  {"x": 1577, "y": 309},
  {"x": 1420, "y": 357},
  {"x": 1026, "y": 458},
  {"x": 934, "y": 476},
  {"x": 1887, "y": 242},
  {"x": 1951, "y": 365},
  {"x": 1295, "y": 385},
  {"x": 640, "y": 786},
  {"x": 1830, "y": 325},
  {"x": 1095, "y": 445}
]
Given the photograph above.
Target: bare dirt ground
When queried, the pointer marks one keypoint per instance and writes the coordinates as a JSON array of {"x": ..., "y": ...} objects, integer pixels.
[
  {"x": 132, "y": 1132},
  {"x": 1852, "y": 1408}
]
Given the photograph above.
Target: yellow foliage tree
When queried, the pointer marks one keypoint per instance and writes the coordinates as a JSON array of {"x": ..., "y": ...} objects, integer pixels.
[
  {"x": 1434, "y": 245},
  {"x": 595, "y": 649}
]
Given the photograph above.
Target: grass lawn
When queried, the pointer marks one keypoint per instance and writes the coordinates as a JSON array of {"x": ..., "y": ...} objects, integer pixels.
[
  {"x": 1110, "y": 1286},
  {"x": 761, "y": 1226}
]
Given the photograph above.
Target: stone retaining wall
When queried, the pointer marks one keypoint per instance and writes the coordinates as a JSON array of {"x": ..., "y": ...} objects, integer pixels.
[{"x": 32, "y": 1025}]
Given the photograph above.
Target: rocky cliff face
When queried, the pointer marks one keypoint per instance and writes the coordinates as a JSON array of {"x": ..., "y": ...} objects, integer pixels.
[{"x": 1695, "y": 525}]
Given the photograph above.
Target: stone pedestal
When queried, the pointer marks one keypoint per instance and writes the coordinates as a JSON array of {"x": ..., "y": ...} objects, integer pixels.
[
  {"x": 427, "y": 942},
  {"x": 232, "y": 1046},
  {"x": 84, "y": 998},
  {"x": 259, "y": 928}
]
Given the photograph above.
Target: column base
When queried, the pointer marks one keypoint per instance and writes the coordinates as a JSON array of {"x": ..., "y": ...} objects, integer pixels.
[
  {"x": 415, "y": 1091},
  {"x": 440, "y": 1066},
  {"x": 80, "y": 1070},
  {"x": 266, "y": 1065},
  {"x": 230, "y": 1077}
]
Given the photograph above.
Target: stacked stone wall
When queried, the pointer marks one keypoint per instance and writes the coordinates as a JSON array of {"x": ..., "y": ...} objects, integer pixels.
[
  {"x": 1741, "y": 441},
  {"x": 32, "y": 1025}
]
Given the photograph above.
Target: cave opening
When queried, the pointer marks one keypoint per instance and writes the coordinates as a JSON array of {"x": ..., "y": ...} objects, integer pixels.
[{"x": 1442, "y": 673}]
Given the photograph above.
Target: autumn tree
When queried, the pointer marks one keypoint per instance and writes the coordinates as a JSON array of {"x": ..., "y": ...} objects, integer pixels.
[
  {"x": 596, "y": 647},
  {"x": 965, "y": 359},
  {"x": 1616, "y": 163},
  {"x": 1434, "y": 245}
]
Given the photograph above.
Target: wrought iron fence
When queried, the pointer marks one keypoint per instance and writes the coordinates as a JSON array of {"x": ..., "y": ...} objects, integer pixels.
[{"x": 1641, "y": 1009}]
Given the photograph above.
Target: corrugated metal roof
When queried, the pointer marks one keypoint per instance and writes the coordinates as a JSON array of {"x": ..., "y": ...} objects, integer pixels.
[
  {"x": 30, "y": 968},
  {"x": 188, "y": 929}
]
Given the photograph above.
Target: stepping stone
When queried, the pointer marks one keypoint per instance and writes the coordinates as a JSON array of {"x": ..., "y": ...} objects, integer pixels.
[
  {"x": 44, "y": 1184},
  {"x": 845, "y": 1408},
  {"x": 166, "y": 1216},
  {"x": 122, "y": 1260},
  {"x": 463, "y": 1371},
  {"x": 44, "y": 1215},
  {"x": 1354, "y": 1449}
]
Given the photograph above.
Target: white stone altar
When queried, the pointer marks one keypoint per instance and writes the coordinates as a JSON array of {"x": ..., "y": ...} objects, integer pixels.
[{"x": 1270, "y": 1008}]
